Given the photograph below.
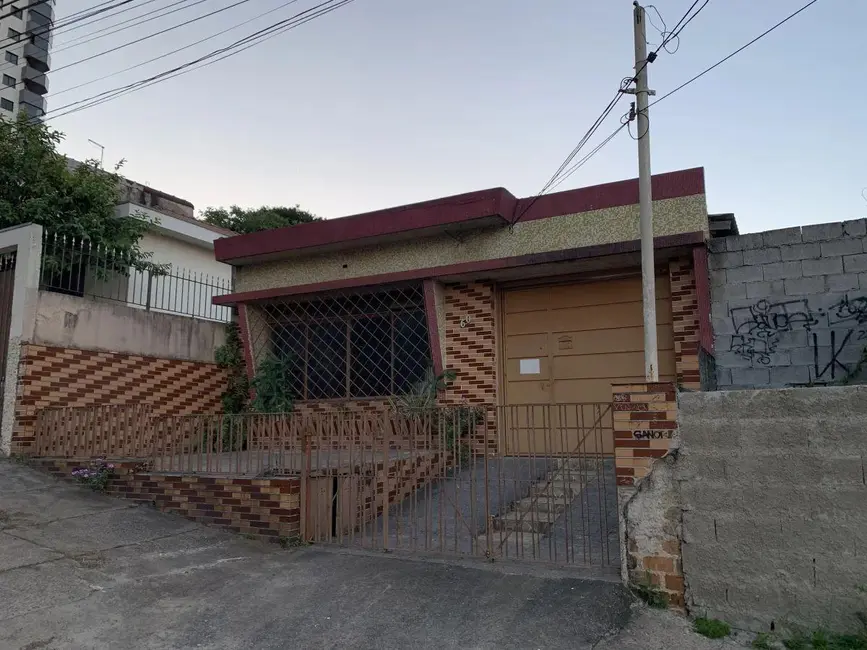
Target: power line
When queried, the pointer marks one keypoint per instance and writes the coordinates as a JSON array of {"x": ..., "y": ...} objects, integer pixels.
[
  {"x": 247, "y": 42},
  {"x": 84, "y": 38},
  {"x": 687, "y": 17},
  {"x": 595, "y": 150},
  {"x": 736, "y": 52},
  {"x": 69, "y": 20},
  {"x": 180, "y": 49},
  {"x": 150, "y": 36}
]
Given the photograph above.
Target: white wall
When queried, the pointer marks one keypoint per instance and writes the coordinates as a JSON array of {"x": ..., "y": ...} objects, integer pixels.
[{"x": 175, "y": 294}]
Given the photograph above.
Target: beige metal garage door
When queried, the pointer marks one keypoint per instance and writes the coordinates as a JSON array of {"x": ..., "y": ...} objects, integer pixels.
[{"x": 566, "y": 344}]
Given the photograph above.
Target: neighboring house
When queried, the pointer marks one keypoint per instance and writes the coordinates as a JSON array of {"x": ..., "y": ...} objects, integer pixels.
[
  {"x": 25, "y": 42},
  {"x": 530, "y": 301},
  {"x": 177, "y": 239}
]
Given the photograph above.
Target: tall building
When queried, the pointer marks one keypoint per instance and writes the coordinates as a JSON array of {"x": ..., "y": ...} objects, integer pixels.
[{"x": 25, "y": 41}]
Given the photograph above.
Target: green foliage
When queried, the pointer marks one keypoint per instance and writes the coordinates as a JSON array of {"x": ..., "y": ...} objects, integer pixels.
[
  {"x": 422, "y": 396},
  {"x": 270, "y": 386},
  {"x": 245, "y": 221},
  {"x": 38, "y": 186},
  {"x": 712, "y": 628},
  {"x": 762, "y": 641},
  {"x": 650, "y": 593},
  {"x": 230, "y": 356},
  {"x": 295, "y": 541}
]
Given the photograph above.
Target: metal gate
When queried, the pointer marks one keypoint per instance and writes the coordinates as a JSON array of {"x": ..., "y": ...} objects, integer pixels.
[
  {"x": 7, "y": 287},
  {"x": 442, "y": 482}
]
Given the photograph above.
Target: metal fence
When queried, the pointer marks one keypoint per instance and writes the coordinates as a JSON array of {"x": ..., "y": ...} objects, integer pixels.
[
  {"x": 529, "y": 483},
  {"x": 75, "y": 266}
]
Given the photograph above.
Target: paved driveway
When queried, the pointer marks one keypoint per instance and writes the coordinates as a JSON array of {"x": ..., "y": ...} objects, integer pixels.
[{"x": 82, "y": 570}]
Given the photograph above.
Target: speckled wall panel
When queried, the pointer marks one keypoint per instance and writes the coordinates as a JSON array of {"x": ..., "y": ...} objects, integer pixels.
[
  {"x": 596, "y": 227},
  {"x": 51, "y": 377}
]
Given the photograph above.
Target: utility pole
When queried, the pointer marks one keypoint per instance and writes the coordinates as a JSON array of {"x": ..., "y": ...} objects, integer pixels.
[{"x": 645, "y": 197}]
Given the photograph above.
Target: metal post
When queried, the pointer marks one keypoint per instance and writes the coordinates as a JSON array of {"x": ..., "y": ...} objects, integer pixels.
[{"x": 645, "y": 199}]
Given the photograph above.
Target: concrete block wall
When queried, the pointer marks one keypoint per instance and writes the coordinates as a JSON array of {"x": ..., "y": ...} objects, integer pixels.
[
  {"x": 789, "y": 307},
  {"x": 774, "y": 497}
]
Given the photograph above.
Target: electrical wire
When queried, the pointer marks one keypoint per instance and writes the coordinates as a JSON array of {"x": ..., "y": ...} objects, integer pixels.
[
  {"x": 69, "y": 20},
  {"x": 84, "y": 38},
  {"x": 595, "y": 150},
  {"x": 180, "y": 49},
  {"x": 735, "y": 53},
  {"x": 247, "y": 42},
  {"x": 150, "y": 36}
]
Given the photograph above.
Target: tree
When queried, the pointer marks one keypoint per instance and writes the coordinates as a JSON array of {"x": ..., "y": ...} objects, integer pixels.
[
  {"x": 38, "y": 185},
  {"x": 245, "y": 221}
]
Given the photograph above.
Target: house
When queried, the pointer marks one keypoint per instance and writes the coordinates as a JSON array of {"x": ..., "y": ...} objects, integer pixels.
[
  {"x": 178, "y": 241},
  {"x": 530, "y": 301}
]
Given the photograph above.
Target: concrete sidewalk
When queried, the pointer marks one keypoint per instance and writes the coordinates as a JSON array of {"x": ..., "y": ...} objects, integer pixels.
[{"x": 81, "y": 570}]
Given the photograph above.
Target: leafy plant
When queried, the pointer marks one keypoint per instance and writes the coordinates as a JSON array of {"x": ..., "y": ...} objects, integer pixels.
[
  {"x": 95, "y": 475},
  {"x": 422, "y": 395},
  {"x": 271, "y": 384},
  {"x": 762, "y": 641},
  {"x": 245, "y": 221},
  {"x": 712, "y": 628},
  {"x": 230, "y": 356},
  {"x": 650, "y": 593},
  {"x": 39, "y": 185}
]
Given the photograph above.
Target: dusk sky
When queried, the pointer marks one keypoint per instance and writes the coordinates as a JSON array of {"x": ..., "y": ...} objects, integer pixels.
[{"x": 386, "y": 102}]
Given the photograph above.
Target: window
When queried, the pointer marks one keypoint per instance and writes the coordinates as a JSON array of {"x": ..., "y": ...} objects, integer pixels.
[
  {"x": 11, "y": 58},
  {"x": 9, "y": 81},
  {"x": 17, "y": 12},
  {"x": 353, "y": 346},
  {"x": 14, "y": 34},
  {"x": 6, "y": 105}
]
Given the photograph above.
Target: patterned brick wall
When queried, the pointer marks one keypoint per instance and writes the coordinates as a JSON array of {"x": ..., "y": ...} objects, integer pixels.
[
  {"x": 266, "y": 508},
  {"x": 645, "y": 424},
  {"x": 686, "y": 322},
  {"x": 471, "y": 343},
  {"x": 55, "y": 377}
]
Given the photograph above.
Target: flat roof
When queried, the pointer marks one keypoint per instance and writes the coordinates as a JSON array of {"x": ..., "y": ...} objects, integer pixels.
[{"x": 496, "y": 206}]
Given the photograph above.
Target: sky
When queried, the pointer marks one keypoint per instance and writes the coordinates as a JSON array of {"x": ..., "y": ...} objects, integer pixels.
[{"x": 387, "y": 102}]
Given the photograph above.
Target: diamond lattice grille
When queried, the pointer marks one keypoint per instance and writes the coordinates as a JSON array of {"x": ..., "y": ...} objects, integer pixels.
[{"x": 345, "y": 346}]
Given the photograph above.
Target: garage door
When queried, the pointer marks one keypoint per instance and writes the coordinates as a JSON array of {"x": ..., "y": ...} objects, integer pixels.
[{"x": 566, "y": 344}]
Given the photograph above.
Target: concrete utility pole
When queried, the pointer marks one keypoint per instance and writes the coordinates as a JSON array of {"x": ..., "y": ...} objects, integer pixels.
[{"x": 645, "y": 198}]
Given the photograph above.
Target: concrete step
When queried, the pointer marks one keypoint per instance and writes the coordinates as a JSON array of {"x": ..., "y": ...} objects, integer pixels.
[
  {"x": 543, "y": 503},
  {"x": 559, "y": 490},
  {"x": 527, "y": 522}
]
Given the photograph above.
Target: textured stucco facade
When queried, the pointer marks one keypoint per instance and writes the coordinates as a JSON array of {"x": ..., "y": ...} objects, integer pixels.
[{"x": 597, "y": 227}]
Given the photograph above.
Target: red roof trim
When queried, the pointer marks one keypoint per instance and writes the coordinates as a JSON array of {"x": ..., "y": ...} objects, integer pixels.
[
  {"x": 441, "y": 213},
  {"x": 670, "y": 241}
]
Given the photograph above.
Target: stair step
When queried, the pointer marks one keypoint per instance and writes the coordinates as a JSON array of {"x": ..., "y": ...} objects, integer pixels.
[
  {"x": 543, "y": 503},
  {"x": 528, "y": 522}
]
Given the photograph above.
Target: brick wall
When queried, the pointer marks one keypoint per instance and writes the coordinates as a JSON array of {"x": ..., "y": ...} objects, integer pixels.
[
  {"x": 685, "y": 322},
  {"x": 55, "y": 377},
  {"x": 471, "y": 343},
  {"x": 645, "y": 425},
  {"x": 266, "y": 508},
  {"x": 789, "y": 306}
]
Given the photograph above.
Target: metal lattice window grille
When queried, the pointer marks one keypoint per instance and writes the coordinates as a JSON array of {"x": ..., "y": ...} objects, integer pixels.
[
  {"x": 358, "y": 345},
  {"x": 77, "y": 267}
]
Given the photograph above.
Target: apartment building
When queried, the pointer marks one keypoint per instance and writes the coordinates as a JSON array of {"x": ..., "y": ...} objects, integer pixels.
[{"x": 25, "y": 42}]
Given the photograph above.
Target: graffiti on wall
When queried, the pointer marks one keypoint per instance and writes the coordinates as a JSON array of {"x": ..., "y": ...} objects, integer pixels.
[{"x": 759, "y": 328}]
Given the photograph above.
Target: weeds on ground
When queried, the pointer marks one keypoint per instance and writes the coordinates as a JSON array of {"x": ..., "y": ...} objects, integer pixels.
[
  {"x": 712, "y": 628},
  {"x": 295, "y": 541},
  {"x": 762, "y": 641},
  {"x": 95, "y": 475},
  {"x": 20, "y": 459},
  {"x": 650, "y": 593}
]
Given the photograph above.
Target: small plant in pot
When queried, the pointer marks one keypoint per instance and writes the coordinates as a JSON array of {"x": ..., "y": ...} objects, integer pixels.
[{"x": 95, "y": 475}]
